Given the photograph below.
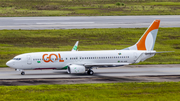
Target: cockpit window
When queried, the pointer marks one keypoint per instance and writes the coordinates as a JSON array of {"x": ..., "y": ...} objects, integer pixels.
[{"x": 16, "y": 58}]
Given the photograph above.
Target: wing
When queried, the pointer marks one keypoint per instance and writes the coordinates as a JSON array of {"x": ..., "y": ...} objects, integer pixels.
[{"x": 104, "y": 64}]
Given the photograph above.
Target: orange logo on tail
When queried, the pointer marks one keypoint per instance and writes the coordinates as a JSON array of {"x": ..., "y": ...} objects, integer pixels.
[{"x": 141, "y": 43}]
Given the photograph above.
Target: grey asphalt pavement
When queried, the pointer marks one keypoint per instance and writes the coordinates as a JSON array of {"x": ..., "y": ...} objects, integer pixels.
[
  {"x": 131, "y": 70},
  {"x": 87, "y": 22},
  {"x": 131, "y": 73}
]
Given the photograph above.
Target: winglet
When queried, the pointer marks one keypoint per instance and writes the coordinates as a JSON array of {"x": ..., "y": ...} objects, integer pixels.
[
  {"x": 147, "y": 40},
  {"x": 75, "y": 46}
]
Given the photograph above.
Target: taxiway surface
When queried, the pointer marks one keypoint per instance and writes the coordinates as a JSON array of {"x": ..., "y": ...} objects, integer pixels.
[
  {"x": 86, "y": 22},
  {"x": 131, "y": 70},
  {"x": 132, "y": 73}
]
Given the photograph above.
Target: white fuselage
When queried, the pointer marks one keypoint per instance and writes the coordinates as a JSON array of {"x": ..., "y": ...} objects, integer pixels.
[{"x": 60, "y": 60}]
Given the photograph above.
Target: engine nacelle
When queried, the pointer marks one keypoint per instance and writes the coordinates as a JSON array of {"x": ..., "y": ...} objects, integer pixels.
[{"x": 76, "y": 69}]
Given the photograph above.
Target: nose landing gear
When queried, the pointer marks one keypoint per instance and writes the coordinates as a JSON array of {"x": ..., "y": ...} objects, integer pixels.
[{"x": 22, "y": 72}]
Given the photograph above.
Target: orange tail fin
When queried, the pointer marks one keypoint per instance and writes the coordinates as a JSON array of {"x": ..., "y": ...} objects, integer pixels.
[{"x": 147, "y": 41}]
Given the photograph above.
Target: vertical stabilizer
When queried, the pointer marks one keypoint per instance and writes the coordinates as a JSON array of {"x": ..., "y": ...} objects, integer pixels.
[{"x": 147, "y": 40}]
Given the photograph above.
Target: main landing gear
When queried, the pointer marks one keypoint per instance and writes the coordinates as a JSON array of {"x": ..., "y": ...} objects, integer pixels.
[{"x": 90, "y": 72}]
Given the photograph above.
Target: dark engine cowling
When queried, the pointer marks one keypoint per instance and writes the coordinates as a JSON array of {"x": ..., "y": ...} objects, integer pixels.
[{"x": 76, "y": 69}]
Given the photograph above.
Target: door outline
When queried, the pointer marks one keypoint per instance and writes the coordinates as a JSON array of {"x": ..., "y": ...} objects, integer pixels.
[
  {"x": 135, "y": 56},
  {"x": 29, "y": 60}
]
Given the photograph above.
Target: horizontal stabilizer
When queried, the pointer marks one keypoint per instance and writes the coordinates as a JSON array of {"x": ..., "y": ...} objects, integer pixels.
[
  {"x": 154, "y": 52},
  {"x": 164, "y": 52},
  {"x": 143, "y": 56}
]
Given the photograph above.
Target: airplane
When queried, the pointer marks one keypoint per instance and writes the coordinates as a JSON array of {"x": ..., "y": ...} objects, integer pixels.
[{"x": 84, "y": 61}]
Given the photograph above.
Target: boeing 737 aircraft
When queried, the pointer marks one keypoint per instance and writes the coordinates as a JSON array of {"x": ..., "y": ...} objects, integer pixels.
[{"x": 84, "y": 61}]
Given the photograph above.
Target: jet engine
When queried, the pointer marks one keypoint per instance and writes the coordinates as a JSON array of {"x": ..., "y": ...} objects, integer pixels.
[{"x": 76, "y": 69}]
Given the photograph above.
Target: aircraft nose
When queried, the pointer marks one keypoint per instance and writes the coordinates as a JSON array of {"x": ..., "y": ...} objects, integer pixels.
[{"x": 9, "y": 63}]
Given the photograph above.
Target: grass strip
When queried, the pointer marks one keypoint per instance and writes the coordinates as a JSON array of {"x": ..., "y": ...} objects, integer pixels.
[
  {"x": 9, "y": 8},
  {"x": 15, "y": 42},
  {"x": 166, "y": 91}
]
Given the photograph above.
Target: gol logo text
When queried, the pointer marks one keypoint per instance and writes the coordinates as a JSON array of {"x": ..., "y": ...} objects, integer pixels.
[{"x": 48, "y": 59}]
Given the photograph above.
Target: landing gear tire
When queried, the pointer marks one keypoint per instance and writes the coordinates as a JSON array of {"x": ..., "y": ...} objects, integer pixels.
[
  {"x": 23, "y": 73},
  {"x": 90, "y": 72}
]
